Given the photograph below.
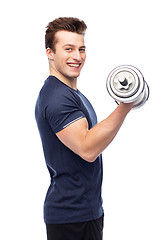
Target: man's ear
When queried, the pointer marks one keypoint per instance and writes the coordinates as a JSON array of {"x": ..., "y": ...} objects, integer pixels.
[{"x": 49, "y": 53}]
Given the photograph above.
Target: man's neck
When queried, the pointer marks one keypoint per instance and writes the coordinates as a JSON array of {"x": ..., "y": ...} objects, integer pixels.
[{"x": 72, "y": 83}]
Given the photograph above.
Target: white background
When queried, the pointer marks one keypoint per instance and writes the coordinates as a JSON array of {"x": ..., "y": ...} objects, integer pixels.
[{"x": 135, "y": 164}]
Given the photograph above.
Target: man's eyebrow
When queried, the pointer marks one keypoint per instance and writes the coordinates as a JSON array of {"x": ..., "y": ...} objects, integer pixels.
[{"x": 71, "y": 45}]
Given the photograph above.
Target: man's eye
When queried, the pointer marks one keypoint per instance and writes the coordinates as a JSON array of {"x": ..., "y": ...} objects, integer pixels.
[
  {"x": 82, "y": 49},
  {"x": 68, "y": 49}
]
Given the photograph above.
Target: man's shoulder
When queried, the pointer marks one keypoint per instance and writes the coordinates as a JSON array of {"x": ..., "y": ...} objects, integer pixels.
[
  {"x": 56, "y": 92},
  {"x": 51, "y": 88}
]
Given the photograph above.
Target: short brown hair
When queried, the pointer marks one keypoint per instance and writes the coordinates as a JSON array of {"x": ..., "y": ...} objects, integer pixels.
[{"x": 63, "y": 23}]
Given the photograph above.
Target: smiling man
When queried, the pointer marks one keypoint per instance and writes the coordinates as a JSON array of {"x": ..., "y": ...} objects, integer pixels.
[
  {"x": 68, "y": 59},
  {"x": 72, "y": 139}
]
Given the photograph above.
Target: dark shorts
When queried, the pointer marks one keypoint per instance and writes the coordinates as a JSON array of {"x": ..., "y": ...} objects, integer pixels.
[{"x": 91, "y": 230}]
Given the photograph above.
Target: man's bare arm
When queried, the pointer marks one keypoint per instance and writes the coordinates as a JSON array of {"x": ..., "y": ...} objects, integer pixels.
[{"x": 88, "y": 144}]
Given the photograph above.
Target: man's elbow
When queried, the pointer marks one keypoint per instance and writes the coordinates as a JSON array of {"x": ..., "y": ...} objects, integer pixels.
[
  {"x": 89, "y": 157},
  {"x": 87, "y": 153}
]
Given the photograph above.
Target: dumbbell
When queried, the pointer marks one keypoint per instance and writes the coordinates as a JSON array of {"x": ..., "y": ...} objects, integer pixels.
[{"x": 126, "y": 84}]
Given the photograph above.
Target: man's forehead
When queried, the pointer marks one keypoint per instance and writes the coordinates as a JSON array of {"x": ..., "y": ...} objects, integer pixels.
[{"x": 69, "y": 38}]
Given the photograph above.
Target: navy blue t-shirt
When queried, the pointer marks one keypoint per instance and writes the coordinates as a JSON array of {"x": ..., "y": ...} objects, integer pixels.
[{"x": 74, "y": 194}]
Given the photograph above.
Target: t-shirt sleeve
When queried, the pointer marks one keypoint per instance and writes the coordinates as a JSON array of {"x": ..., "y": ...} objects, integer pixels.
[{"x": 63, "y": 112}]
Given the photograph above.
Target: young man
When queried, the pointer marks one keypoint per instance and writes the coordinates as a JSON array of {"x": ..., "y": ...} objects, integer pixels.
[{"x": 72, "y": 139}]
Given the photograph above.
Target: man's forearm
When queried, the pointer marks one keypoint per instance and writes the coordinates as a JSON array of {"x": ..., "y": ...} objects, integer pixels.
[{"x": 102, "y": 134}]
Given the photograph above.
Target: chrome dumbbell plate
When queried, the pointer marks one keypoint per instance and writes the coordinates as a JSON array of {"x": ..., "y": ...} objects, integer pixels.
[{"x": 126, "y": 84}]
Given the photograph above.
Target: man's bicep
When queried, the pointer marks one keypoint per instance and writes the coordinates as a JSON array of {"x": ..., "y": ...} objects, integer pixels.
[{"x": 74, "y": 134}]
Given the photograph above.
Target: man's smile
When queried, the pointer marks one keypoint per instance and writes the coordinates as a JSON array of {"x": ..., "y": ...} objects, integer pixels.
[{"x": 74, "y": 65}]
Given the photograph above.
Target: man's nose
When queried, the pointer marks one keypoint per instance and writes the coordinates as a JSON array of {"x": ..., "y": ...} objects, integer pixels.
[{"x": 77, "y": 55}]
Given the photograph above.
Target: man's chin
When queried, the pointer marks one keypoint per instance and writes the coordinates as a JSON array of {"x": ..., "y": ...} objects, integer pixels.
[{"x": 74, "y": 76}]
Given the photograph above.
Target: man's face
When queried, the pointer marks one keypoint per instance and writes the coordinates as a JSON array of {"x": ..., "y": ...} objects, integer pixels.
[{"x": 70, "y": 55}]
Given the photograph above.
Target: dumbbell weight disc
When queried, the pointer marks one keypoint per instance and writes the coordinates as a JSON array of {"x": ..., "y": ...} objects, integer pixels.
[
  {"x": 142, "y": 98},
  {"x": 126, "y": 84}
]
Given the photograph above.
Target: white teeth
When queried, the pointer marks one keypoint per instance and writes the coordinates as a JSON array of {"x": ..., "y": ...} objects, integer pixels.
[{"x": 73, "y": 65}]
